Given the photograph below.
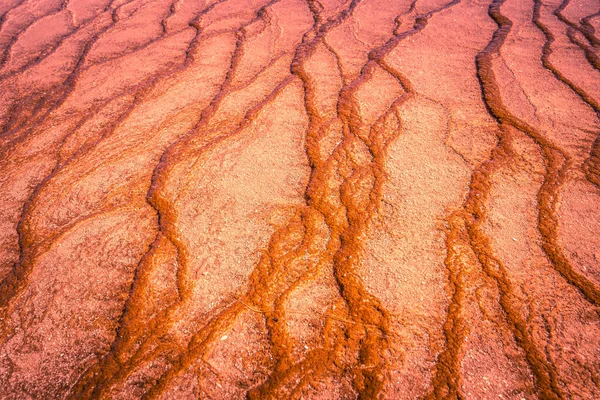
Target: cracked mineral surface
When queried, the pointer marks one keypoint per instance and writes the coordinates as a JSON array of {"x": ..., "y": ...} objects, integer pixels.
[{"x": 273, "y": 199}]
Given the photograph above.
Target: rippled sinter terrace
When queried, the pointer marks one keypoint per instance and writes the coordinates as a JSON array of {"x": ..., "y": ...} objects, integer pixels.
[{"x": 299, "y": 199}]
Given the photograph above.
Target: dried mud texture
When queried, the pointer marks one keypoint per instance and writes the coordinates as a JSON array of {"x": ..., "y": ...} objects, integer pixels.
[{"x": 299, "y": 199}]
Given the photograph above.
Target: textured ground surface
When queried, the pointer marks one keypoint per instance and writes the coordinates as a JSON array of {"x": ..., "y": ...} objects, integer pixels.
[{"x": 299, "y": 199}]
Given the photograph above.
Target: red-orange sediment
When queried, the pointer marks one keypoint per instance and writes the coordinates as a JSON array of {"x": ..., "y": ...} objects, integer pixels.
[{"x": 299, "y": 199}]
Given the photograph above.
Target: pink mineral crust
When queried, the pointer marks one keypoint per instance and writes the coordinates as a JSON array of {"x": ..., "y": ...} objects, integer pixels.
[{"x": 275, "y": 199}]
